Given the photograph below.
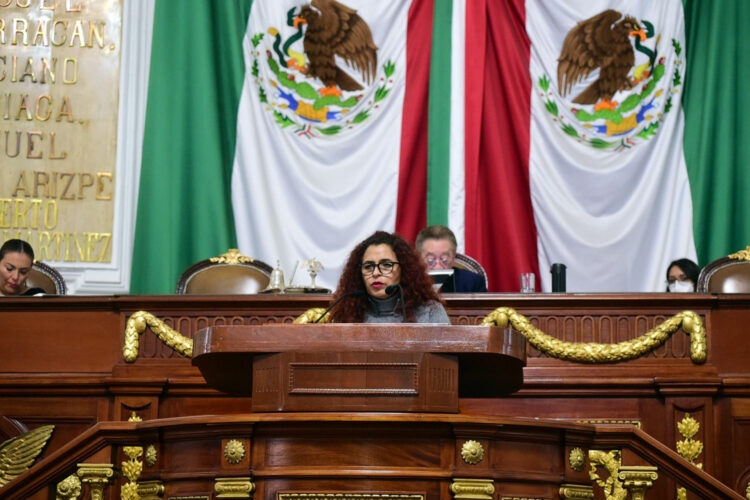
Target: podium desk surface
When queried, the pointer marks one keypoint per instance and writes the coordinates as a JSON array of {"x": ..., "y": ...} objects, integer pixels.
[{"x": 490, "y": 359}]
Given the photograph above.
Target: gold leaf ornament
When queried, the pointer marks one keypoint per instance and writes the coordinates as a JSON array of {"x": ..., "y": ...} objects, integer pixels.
[
  {"x": 688, "y": 427},
  {"x": 689, "y": 448}
]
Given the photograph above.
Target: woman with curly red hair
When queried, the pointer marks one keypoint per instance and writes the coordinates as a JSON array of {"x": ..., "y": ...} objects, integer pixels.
[{"x": 380, "y": 261}]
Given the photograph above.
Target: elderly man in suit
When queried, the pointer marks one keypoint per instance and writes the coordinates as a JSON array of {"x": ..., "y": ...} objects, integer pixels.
[{"x": 437, "y": 246}]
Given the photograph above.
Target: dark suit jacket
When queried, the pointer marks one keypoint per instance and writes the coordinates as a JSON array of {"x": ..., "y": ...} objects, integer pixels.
[{"x": 465, "y": 282}]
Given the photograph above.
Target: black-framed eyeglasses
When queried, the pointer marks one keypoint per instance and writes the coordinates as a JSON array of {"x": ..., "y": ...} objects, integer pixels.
[{"x": 385, "y": 267}]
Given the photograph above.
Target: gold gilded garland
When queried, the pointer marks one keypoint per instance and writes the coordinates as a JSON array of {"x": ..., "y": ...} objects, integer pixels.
[
  {"x": 137, "y": 324},
  {"x": 311, "y": 315},
  {"x": 592, "y": 352}
]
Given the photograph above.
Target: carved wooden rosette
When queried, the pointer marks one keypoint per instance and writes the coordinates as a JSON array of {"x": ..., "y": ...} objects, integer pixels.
[
  {"x": 473, "y": 489},
  {"x": 577, "y": 459},
  {"x": 234, "y": 451},
  {"x": 472, "y": 452},
  {"x": 151, "y": 456}
]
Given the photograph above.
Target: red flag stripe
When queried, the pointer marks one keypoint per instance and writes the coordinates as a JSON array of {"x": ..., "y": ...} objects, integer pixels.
[
  {"x": 500, "y": 229},
  {"x": 411, "y": 209}
]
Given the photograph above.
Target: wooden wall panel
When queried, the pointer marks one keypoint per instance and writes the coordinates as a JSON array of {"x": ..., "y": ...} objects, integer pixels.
[{"x": 61, "y": 361}]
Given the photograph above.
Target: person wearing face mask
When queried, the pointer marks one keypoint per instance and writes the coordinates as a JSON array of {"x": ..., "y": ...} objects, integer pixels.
[
  {"x": 16, "y": 258},
  {"x": 370, "y": 282},
  {"x": 437, "y": 246},
  {"x": 682, "y": 275}
]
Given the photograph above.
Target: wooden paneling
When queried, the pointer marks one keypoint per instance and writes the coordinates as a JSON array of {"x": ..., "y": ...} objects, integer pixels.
[{"x": 61, "y": 362}]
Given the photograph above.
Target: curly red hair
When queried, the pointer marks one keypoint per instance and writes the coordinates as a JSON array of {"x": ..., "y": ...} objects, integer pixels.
[{"x": 416, "y": 283}]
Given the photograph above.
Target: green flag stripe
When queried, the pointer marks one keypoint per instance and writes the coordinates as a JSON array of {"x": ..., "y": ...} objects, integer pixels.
[
  {"x": 439, "y": 121},
  {"x": 716, "y": 105},
  {"x": 195, "y": 82}
]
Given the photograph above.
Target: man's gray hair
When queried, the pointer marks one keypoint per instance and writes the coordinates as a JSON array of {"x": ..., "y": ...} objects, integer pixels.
[{"x": 436, "y": 232}]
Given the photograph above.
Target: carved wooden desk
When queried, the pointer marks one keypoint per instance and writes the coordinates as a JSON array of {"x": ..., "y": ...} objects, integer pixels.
[
  {"x": 379, "y": 367},
  {"x": 61, "y": 363}
]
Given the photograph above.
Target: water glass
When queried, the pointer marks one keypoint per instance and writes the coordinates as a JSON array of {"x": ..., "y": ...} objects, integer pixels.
[{"x": 527, "y": 282}]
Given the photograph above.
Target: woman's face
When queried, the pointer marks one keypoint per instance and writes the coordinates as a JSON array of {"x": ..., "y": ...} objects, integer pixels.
[
  {"x": 14, "y": 267},
  {"x": 376, "y": 280},
  {"x": 677, "y": 279}
]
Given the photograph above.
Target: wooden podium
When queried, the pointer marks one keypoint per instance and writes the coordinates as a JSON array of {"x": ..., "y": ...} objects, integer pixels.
[{"x": 360, "y": 367}]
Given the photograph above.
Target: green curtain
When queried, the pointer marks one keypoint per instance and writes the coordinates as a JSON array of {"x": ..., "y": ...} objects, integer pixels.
[
  {"x": 195, "y": 82},
  {"x": 717, "y": 137}
]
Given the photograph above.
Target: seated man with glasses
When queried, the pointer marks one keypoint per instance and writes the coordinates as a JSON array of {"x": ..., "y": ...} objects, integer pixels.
[
  {"x": 368, "y": 285},
  {"x": 437, "y": 246}
]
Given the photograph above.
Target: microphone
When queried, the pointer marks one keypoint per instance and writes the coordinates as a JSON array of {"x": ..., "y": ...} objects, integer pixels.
[
  {"x": 392, "y": 288},
  {"x": 354, "y": 293}
]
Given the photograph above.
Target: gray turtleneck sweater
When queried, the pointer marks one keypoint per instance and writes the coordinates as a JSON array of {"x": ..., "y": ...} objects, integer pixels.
[{"x": 388, "y": 310}]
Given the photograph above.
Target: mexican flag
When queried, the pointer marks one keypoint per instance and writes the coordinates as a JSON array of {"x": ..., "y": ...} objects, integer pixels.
[
  {"x": 330, "y": 121},
  {"x": 578, "y": 150},
  {"x": 451, "y": 112}
]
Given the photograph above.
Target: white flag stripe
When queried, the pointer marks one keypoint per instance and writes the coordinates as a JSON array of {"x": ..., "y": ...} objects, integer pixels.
[
  {"x": 296, "y": 197},
  {"x": 457, "y": 191},
  {"x": 616, "y": 219}
]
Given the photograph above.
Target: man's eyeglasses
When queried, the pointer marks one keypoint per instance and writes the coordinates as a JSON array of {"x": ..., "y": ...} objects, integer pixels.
[
  {"x": 385, "y": 267},
  {"x": 445, "y": 259}
]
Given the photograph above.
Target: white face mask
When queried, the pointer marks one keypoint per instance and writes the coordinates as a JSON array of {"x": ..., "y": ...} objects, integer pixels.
[{"x": 681, "y": 287}]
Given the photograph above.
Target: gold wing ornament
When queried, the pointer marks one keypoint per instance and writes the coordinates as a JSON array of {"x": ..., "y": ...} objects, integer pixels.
[{"x": 18, "y": 454}]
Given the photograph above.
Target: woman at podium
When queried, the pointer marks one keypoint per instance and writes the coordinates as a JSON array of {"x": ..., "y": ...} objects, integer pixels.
[{"x": 385, "y": 281}]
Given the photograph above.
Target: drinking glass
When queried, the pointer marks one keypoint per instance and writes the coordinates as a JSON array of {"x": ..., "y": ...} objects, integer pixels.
[{"x": 527, "y": 282}]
